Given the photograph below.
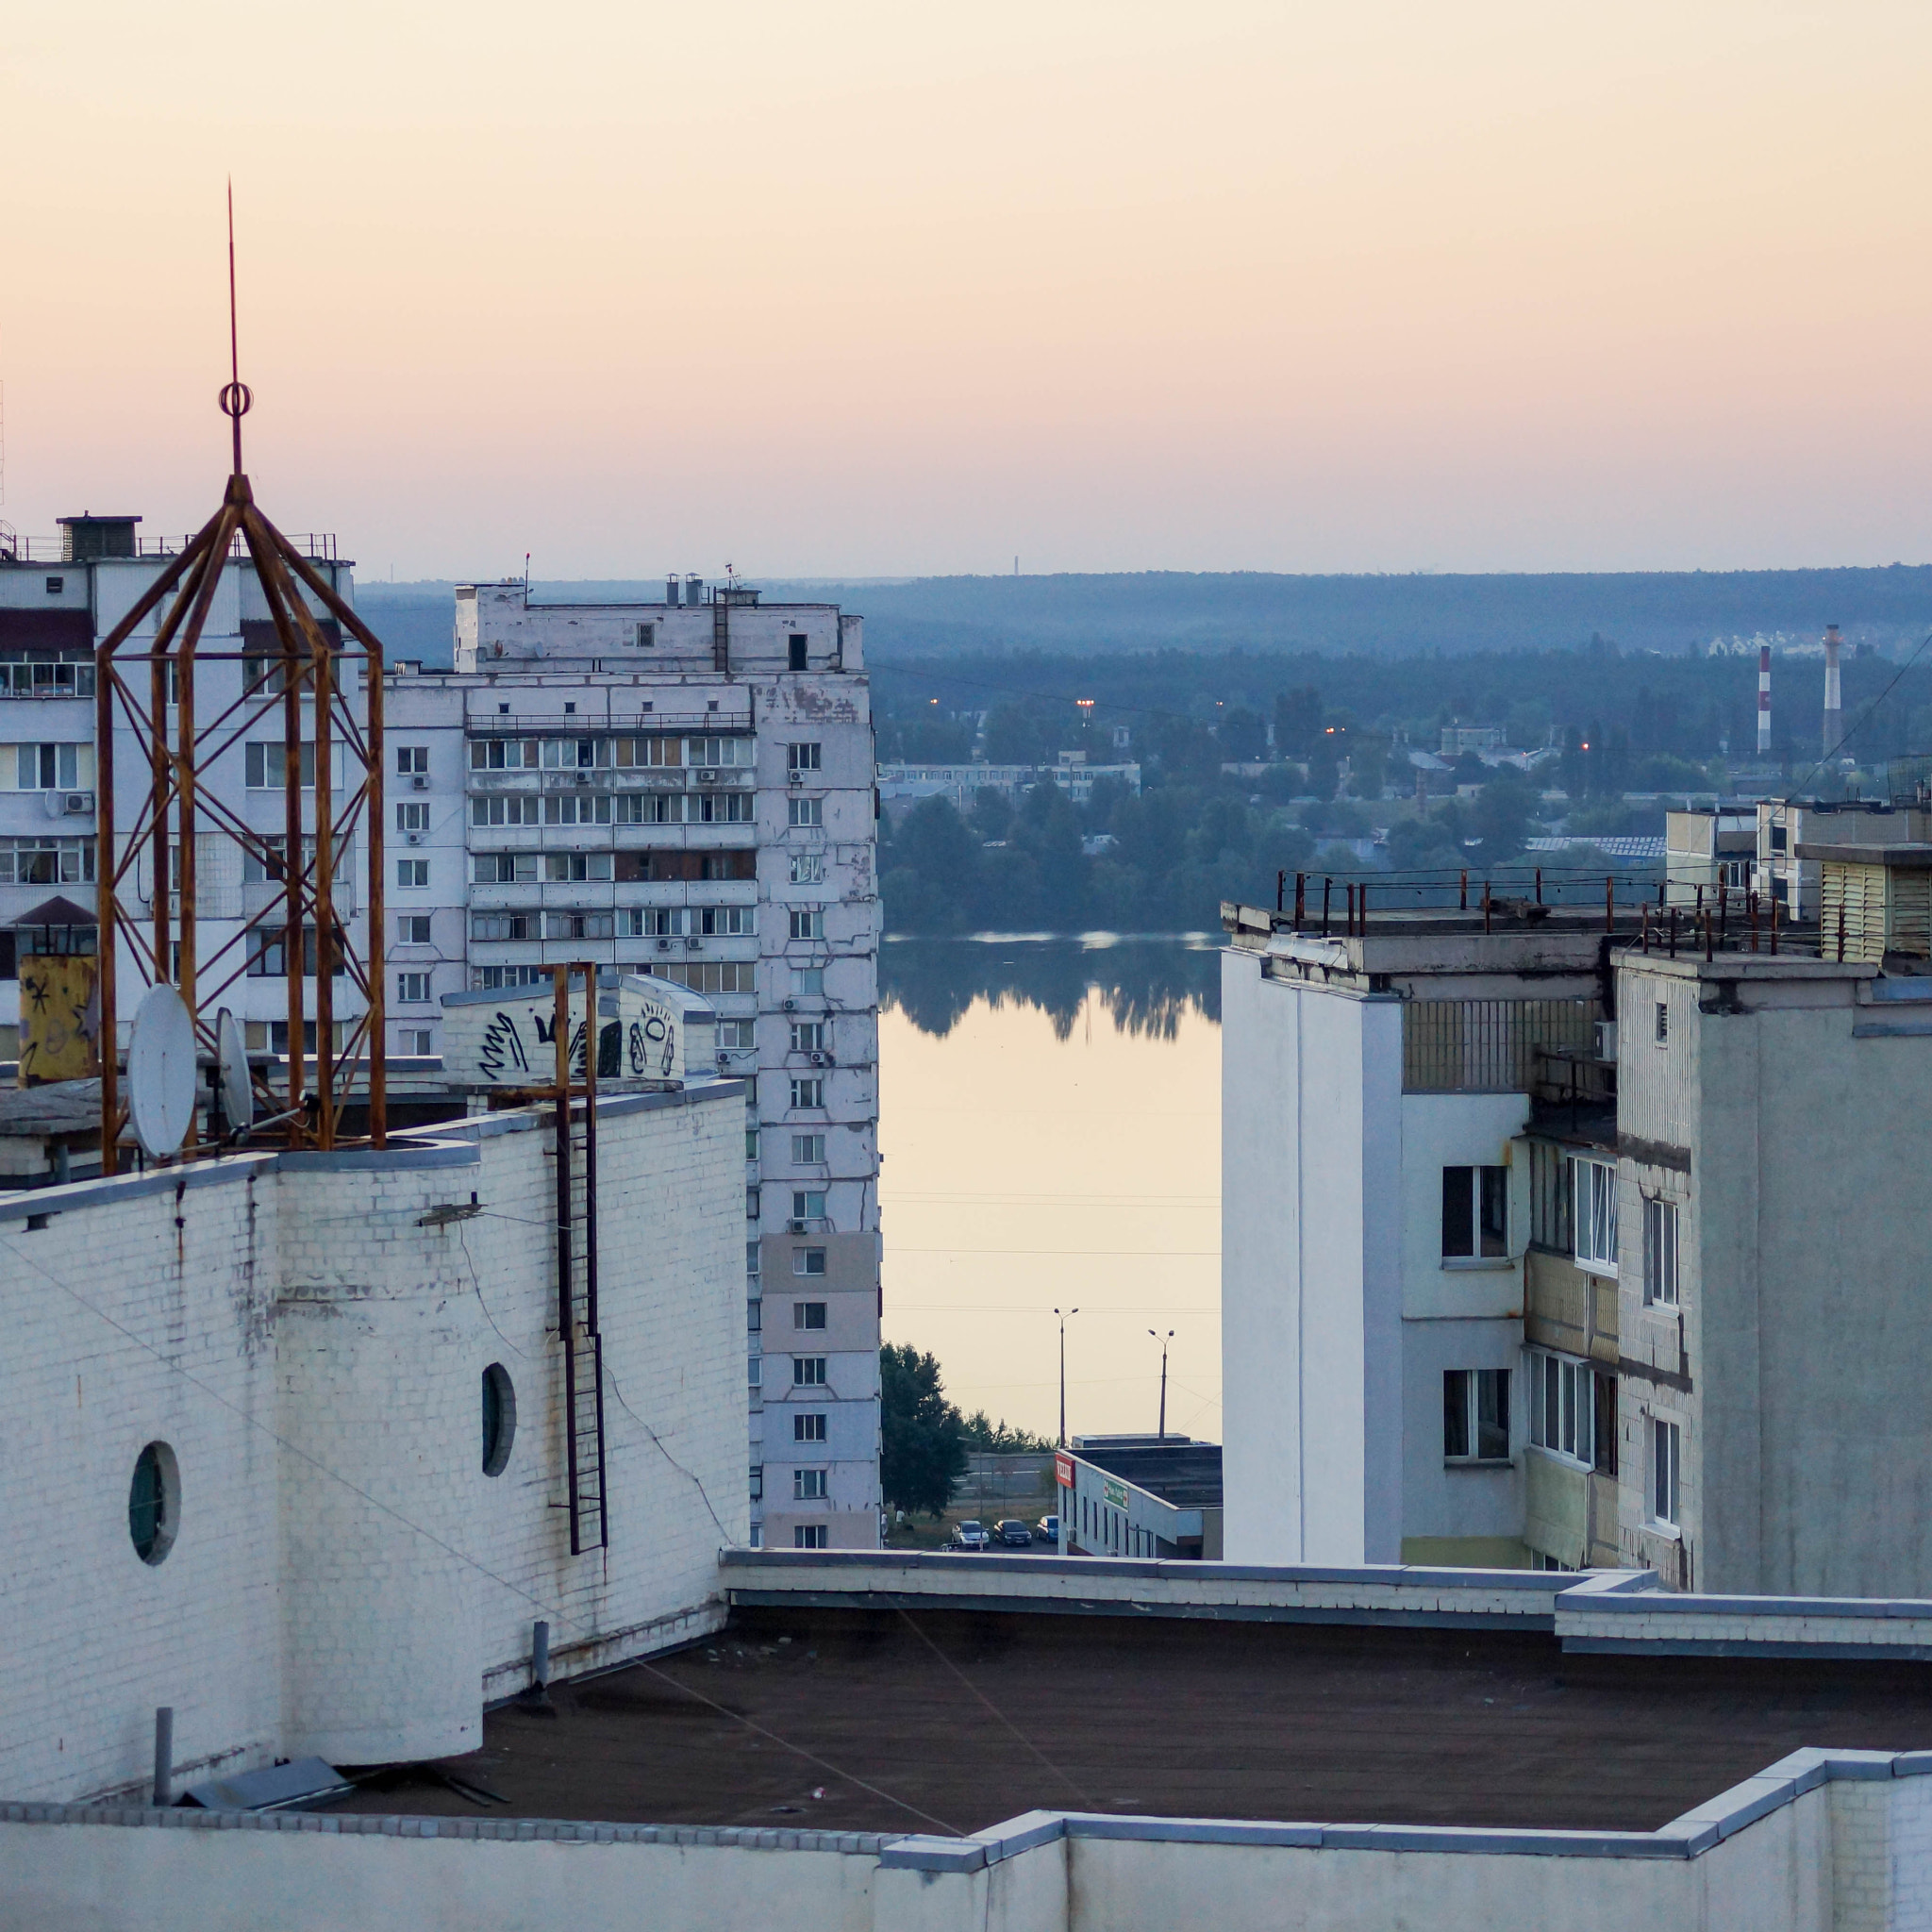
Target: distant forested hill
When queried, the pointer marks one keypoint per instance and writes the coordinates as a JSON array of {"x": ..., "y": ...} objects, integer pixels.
[{"x": 1393, "y": 616}]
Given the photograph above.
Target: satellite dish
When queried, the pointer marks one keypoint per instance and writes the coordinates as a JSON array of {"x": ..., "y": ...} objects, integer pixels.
[
  {"x": 231, "y": 1063},
  {"x": 161, "y": 1071}
]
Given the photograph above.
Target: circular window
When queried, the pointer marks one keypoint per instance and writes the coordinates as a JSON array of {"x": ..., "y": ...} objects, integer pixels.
[
  {"x": 153, "y": 1503},
  {"x": 499, "y": 1418}
]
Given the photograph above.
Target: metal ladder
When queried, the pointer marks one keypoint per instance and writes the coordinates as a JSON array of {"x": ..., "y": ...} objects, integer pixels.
[{"x": 576, "y": 1322}]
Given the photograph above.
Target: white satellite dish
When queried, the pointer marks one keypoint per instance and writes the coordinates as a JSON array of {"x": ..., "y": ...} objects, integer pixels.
[
  {"x": 231, "y": 1062},
  {"x": 161, "y": 1071}
]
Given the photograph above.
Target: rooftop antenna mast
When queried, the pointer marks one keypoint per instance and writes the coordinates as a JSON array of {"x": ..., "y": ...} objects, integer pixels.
[{"x": 148, "y": 859}]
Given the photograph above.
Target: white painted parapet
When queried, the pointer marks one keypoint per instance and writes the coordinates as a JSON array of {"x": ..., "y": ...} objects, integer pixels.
[{"x": 1625, "y": 1612}]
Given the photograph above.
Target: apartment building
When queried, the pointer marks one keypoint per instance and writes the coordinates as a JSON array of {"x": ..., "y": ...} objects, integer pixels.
[
  {"x": 686, "y": 788},
  {"x": 1782, "y": 874},
  {"x": 683, "y": 787},
  {"x": 1711, "y": 850},
  {"x": 1541, "y": 1247}
]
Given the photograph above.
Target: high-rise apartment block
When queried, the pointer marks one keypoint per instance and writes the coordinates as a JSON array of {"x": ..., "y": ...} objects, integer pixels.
[{"x": 683, "y": 787}]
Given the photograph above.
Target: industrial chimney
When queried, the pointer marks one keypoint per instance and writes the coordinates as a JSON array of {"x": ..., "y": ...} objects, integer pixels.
[
  {"x": 1834, "y": 710},
  {"x": 1764, "y": 701}
]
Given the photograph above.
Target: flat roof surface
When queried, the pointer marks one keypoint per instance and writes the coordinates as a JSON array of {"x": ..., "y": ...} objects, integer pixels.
[{"x": 955, "y": 1720}]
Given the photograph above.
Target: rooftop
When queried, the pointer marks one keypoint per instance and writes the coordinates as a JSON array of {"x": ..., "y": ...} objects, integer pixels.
[
  {"x": 953, "y": 1719},
  {"x": 1187, "y": 1474}
]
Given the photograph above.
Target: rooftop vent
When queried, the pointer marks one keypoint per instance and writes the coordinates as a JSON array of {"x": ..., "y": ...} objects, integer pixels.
[{"x": 89, "y": 538}]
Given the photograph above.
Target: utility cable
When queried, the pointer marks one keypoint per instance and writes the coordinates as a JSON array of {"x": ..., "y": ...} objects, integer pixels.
[{"x": 1863, "y": 717}]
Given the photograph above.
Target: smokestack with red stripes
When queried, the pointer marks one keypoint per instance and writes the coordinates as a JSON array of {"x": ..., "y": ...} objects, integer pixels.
[
  {"x": 1834, "y": 712},
  {"x": 1764, "y": 701}
]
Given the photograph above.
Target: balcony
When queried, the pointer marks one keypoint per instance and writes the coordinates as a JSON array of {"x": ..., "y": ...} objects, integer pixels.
[{"x": 1490, "y": 1047}]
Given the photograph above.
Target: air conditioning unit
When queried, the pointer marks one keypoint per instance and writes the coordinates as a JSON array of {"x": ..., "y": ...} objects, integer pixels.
[
  {"x": 708, "y": 777},
  {"x": 692, "y": 944},
  {"x": 583, "y": 778},
  {"x": 663, "y": 945},
  {"x": 794, "y": 777},
  {"x": 412, "y": 838},
  {"x": 791, "y": 1005},
  {"x": 817, "y": 1060},
  {"x": 419, "y": 783},
  {"x": 72, "y": 803},
  {"x": 798, "y": 1226}
]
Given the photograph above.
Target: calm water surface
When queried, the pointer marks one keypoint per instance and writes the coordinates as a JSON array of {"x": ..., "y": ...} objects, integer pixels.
[{"x": 1050, "y": 1122}]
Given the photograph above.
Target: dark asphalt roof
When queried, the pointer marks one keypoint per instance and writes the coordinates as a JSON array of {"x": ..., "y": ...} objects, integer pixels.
[{"x": 1187, "y": 1474}]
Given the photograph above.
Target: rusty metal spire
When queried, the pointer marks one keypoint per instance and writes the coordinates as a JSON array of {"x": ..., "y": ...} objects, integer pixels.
[{"x": 236, "y": 398}]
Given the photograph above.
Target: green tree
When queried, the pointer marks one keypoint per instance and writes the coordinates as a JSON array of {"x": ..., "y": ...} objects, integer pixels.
[
  {"x": 1243, "y": 734},
  {"x": 1324, "y": 769},
  {"x": 1501, "y": 816},
  {"x": 1297, "y": 722},
  {"x": 921, "y": 1437}
]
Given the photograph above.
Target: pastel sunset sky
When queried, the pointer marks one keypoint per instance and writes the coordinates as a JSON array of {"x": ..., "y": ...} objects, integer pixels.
[{"x": 863, "y": 289}]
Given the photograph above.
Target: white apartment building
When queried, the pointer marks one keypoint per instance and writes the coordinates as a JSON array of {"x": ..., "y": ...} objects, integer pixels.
[
  {"x": 683, "y": 788},
  {"x": 1542, "y": 1248}
]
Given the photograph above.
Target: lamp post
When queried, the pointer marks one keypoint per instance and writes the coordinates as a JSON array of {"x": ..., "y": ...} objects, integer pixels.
[
  {"x": 1064, "y": 1318},
  {"x": 1156, "y": 1334}
]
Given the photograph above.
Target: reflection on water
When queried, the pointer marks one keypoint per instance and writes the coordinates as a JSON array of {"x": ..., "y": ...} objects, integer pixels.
[
  {"x": 1050, "y": 1126},
  {"x": 1145, "y": 985}
]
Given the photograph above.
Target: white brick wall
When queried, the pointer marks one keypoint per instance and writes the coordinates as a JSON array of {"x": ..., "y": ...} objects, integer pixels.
[{"x": 345, "y": 1574}]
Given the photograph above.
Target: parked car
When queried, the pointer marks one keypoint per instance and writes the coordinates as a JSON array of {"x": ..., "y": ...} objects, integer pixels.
[
  {"x": 970, "y": 1536},
  {"x": 1048, "y": 1530},
  {"x": 1012, "y": 1531}
]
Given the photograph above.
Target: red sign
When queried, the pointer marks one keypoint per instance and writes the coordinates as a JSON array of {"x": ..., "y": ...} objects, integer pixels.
[{"x": 1063, "y": 1469}]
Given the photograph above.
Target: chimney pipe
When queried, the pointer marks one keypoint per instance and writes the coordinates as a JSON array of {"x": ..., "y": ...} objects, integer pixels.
[
  {"x": 1834, "y": 709},
  {"x": 1764, "y": 701}
]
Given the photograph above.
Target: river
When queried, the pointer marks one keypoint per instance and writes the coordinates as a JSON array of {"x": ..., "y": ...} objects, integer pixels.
[{"x": 1050, "y": 1133}]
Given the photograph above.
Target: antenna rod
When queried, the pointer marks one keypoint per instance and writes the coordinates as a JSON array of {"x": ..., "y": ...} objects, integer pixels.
[{"x": 234, "y": 328}]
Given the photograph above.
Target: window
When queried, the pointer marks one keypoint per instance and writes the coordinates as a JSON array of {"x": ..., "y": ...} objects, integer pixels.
[
  {"x": 1475, "y": 1415},
  {"x": 807, "y": 1261},
  {"x": 801, "y": 757},
  {"x": 499, "y": 1418},
  {"x": 500, "y": 926},
  {"x": 807, "y": 1204},
  {"x": 412, "y": 817},
  {"x": 268, "y": 956},
  {"x": 53, "y": 767},
  {"x": 580, "y": 926},
  {"x": 1778, "y": 837},
  {"x": 412, "y": 761},
  {"x": 412, "y": 874},
  {"x": 1562, "y": 1405},
  {"x": 1549, "y": 1196},
  {"x": 751, "y": 1204},
  {"x": 810, "y": 981},
  {"x": 413, "y": 929},
  {"x": 504, "y": 867},
  {"x": 590, "y": 808},
  {"x": 153, "y": 1503},
  {"x": 807, "y": 1372},
  {"x": 504, "y": 978},
  {"x": 644, "y": 636},
  {"x": 34, "y": 677},
  {"x": 808, "y": 1036},
  {"x": 416, "y": 1040},
  {"x": 796, "y": 643},
  {"x": 504, "y": 753},
  {"x": 1475, "y": 1212},
  {"x": 1665, "y": 1448},
  {"x": 413, "y": 986},
  {"x": 805, "y": 811},
  {"x": 56, "y": 585},
  {"x": 808, "y": 1485},
  {"x": 754, "y": 1371},
  {"x": 807, "y": 869},
  {"x": 1663, "y": 1023},
  {"x": 46, "y": 862},
  {"x": 718, "y": 751},
  {"x": 808, "y": 925},
  {"x": 507, "y": 809},
  {"x": 1593, "y": 1214},
  {"x": 809, "y": 1428},
  {"x": 728, "y": 922},
  {"x": 720, "y": 976},
  {"x": 808, "y": 1536},
  {"x": 569, "y": 868},
  {"x": 757, "y": 1482},
  {"x": 754, "y": 1314},
  {"x": 807, "y": 1314},
  {"x": 737, "y": 1036},
  {"x": 807, "y": 1149},
  {"x": 263, "y": 765},
  {"x": 809, "y": 1094},
  {"x": 1660, "y": 1253}
]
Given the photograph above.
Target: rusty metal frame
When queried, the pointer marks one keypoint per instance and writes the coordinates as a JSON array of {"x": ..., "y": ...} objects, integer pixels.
[{"x": 163, "y": 942}]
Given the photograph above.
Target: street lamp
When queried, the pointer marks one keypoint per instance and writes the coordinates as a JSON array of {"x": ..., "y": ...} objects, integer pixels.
[
  {"x": 1064, "y": 1318},
  {"x": 1156, "y": 1333}
]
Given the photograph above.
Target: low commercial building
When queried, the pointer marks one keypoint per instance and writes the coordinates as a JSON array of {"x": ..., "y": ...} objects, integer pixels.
[
  {"x": 300, "y": 1454},
  {"x": 1142, "y": 1496}
]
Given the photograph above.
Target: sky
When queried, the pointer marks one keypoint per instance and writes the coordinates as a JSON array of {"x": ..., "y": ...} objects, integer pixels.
[{"x": 856, "y": 289}]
